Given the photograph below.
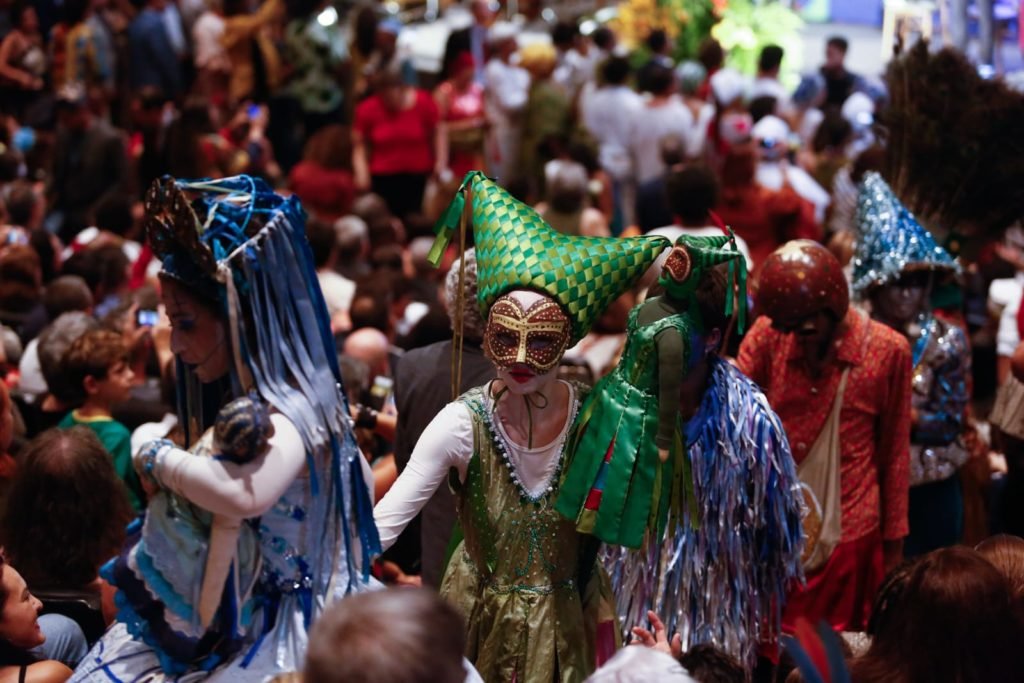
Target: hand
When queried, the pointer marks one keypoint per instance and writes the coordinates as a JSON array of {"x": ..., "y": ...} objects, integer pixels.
[
  {"x": 241, "y": 116},
  {"x": 362, "y": 182},
  {"x": 443, "y": 172},
  {"x": 146, "y": 462},
  {"x": 663, "y": 454},
  {"x": 391, "y": 573},
  {"x": 134, "y": 334},
  {"x": 659, "y": 639},
  {"x": 892, "y": 554},
  {"x": 161, "y": 336},
  {"x": 149, "y": 486},
  {"x": 408, "y": 580}
]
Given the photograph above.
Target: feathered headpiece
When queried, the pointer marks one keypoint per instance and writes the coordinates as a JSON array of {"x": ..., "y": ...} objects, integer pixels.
[{"x": 955, "y": 143}]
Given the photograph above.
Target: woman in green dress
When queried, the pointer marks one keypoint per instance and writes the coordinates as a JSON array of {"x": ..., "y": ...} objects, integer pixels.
[{"x": 536, "y": 603}]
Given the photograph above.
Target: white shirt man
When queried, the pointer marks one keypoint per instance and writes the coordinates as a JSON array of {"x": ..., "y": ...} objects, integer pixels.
[
  {"x": 608, "y": 114},
  {"x": 773, "y": 171},
  {"x": 658, "y": 118},
  {"x": 506, "y": 88}
]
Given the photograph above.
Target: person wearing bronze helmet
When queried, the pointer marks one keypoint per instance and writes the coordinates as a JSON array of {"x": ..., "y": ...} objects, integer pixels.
[{"x": 841, "y": 384}]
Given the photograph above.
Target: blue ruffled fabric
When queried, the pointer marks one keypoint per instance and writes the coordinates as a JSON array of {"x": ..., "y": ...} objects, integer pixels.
[{"x": 143, "y": 616}]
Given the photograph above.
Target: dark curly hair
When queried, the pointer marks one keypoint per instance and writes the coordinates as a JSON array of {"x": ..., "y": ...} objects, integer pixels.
[{"x": 66, "y": 510}]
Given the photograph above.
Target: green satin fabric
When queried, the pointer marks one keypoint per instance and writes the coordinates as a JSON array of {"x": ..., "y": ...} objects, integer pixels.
[
  {"x": 621, "y": 416},
  {"x": 516, "y": 576}
]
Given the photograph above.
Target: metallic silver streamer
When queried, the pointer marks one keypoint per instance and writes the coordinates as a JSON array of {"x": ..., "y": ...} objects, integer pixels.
[{"x": 722, "y": 578}]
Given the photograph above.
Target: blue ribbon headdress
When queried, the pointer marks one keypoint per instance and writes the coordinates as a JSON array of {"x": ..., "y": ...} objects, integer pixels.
[{"x": 243, "y": 247}]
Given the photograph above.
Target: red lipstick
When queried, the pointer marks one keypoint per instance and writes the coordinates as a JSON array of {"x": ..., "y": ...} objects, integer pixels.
[{"x": 521, "y": 375}]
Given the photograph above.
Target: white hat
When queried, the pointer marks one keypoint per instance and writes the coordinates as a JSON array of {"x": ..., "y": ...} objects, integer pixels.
[
  {"x": 728, "y": 85},
  {"x": 640, "y": 664},
  {"x": 770, "y": 128},
  {"x": 501, "y": 31},
  {"x": 859, "y": 110}
]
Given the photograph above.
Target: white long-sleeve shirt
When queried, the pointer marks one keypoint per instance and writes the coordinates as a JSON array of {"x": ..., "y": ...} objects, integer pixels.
[
  {"x": 608, "y": 115},
  {"x": 446, "y": 444},
  {"x": 651, "y": 124},
  {"x": 1004, "y": 299},
  {"x": 506, "y": 88},
  {"x": 774, "y": 175},
  {"x": 235, "y": 490}
]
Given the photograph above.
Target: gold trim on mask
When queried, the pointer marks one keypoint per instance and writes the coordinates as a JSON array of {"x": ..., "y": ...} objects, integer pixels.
[{"x": 540, "y": 362}]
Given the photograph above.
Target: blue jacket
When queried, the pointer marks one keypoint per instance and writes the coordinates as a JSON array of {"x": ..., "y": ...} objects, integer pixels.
[{"x": 154, "y": 62}]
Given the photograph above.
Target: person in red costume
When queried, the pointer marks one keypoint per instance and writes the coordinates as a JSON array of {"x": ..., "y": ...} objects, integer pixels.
[
  {"x": 764, "y": 218},
  {"x": 460, "y": 102},
  {"x": 841, "y": 384}
]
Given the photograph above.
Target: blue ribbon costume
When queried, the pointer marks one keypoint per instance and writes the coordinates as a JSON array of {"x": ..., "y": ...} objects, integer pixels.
[{"x": 241, "y": 245}]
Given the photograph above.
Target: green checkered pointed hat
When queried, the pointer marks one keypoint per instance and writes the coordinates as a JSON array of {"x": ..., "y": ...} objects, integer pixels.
[
  {"x": 707, "y": 252},
  {"x": 516, "y": 249}
]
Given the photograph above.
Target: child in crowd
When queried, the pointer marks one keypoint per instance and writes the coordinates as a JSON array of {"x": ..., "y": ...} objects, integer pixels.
[{"x": 97, "y": 367}]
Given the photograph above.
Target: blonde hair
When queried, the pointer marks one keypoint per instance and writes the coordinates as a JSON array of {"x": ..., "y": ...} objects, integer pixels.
[{"x": 539, "y": 59}]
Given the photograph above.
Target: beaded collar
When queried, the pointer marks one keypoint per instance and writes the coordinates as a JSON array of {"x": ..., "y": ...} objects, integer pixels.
[{"x": 503, "y": 447}]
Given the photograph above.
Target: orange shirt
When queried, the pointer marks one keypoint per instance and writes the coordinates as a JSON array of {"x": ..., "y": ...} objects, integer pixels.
[{"x": 874, "y": 431}]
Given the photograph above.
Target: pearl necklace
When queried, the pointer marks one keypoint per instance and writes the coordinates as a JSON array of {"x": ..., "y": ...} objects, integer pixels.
[{"x": 503, "y": 448}]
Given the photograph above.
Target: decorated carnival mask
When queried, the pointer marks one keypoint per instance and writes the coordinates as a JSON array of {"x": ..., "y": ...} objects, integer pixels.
[
  {"x": 527, "y": 329},
  {"x": 678, "y": 265}
]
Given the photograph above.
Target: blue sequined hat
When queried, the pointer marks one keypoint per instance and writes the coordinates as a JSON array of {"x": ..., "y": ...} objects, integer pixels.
[{"x": 891, "y": 241}]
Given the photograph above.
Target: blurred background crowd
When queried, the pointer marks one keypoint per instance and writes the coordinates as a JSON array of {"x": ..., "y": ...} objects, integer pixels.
[{"x": 638, "y": 118}]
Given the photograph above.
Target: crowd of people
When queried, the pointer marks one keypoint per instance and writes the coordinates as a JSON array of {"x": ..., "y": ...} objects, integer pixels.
[{"x": 682, "y": 362}]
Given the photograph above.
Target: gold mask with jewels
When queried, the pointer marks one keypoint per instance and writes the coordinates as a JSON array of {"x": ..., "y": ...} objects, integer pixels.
[{"x": 536, "y": 337}]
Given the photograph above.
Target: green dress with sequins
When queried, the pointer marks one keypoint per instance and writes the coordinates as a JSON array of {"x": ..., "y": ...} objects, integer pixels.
[
  {"x": 538, "y": 606},
  {"x": 614, "y": 485}
]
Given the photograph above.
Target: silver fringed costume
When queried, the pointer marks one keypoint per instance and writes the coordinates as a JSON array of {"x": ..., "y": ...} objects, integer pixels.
[
  {"x": 893, "y": 243},
  {"x": 720, "y": 575},
  {"x": 941, "y": 367}
]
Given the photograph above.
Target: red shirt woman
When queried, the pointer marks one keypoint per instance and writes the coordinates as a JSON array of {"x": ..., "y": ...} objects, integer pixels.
[
  {"x": 396, "y": 143},
  {"x": 461, "y": 104},
  {"x": 323, "y": 179}
]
